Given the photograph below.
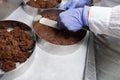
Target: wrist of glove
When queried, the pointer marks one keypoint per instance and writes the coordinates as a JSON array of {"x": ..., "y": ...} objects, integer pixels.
[
  {"x": 74, "y": 4},
  {"x": 74, "y": 19}
]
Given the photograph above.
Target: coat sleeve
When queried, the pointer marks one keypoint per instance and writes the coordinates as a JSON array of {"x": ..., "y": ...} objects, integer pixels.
[{"x": 104, "y": 20}]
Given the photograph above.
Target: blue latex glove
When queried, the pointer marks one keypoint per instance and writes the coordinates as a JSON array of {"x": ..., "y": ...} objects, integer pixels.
[
  {"x": 74, "y": 4},
  {"x": 73, "y": 19}
]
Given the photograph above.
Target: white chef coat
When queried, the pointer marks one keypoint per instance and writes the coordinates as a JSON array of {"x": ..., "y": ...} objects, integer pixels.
[{"x": 104, "y": 21}]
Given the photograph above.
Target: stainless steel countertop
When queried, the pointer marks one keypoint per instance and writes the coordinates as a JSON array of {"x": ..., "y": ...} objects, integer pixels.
[
  {"x": 7, "y": 7},
  {"x": 90, "y": 69}
]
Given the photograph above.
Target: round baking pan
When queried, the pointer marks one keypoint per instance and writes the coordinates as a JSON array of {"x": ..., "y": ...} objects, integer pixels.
[
  {"x": 62, "y": 41},
  {"x": 20, "y": 67},
  {"x": 33, "y": 11}
]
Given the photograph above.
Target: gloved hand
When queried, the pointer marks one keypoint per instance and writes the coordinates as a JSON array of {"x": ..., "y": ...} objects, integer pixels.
[
  {"x": 74, "y": 4},
  {"x": 74, "y": 19}
]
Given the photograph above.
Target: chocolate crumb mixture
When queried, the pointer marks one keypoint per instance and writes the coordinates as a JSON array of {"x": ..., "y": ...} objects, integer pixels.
[
  {"x": 24, "y": 40},
  {"x": 55, "y": 36},
  {"x": 43, "y": 3},
  {"x": 8, "y": 65},
  {"x": 14, "y": 47}
]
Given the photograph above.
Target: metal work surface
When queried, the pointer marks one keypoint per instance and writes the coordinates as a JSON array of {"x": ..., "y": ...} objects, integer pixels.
[
  {"x": 48, "y": 66},
  {"x": 90, "y": 69}
]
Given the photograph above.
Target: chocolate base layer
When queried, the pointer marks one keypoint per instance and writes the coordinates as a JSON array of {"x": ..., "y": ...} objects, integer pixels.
[{"x": 55, "y": 36}]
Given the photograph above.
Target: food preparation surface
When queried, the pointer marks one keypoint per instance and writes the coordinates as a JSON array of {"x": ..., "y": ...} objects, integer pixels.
[{"x": 48, "y": 66}]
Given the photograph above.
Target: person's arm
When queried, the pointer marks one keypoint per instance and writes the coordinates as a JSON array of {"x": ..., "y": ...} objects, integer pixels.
[
  {"x": 104, "y": 20},
  {"x": 100, "y": 20}
]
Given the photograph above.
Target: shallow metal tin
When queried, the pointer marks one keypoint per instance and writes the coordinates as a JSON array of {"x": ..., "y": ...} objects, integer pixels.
[
  {"x": 21, "y": 68},
  {"x": 54, "y": 48},
  {"x": 34, "y": 11}
]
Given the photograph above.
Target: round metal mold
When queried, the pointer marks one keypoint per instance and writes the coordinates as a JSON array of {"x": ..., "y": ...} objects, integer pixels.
[
  {"x": 54, "y": 48},
  {"x": 33, "y": 11},
  {"x": 20, "y": 68}
]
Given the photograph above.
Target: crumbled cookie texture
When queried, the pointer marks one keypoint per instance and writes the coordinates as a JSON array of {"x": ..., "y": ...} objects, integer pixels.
[
  {"x": 14, "y": 47},
  {"x": 43, "y": 3}
]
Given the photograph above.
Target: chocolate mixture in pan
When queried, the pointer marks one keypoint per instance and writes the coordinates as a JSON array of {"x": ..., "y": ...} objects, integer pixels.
[
  {"x": 14, "y": 47},
  {"x": 43, "y": 3},
  {"x": 59, "y": 37}
]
